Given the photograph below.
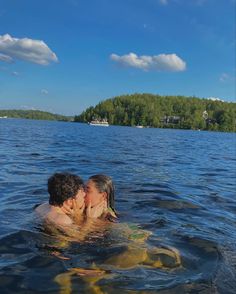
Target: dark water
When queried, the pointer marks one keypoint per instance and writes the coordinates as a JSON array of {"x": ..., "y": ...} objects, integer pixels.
[{"x": 179, "y": 185}]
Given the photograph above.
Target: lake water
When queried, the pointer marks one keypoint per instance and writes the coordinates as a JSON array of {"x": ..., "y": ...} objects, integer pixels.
[{"x": 179, "y": 185}]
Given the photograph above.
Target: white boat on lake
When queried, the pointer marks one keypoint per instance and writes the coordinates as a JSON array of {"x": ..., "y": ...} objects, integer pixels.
[{"x": 100, "y": 123}]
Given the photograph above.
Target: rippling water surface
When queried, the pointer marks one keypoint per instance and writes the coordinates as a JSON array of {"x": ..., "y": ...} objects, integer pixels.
[{"x": 179, "y": 185}]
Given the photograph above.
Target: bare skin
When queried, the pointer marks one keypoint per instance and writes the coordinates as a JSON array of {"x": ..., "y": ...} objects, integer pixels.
[
  {"x": 53, "y": 214},
  {"x": 58, "y": 214}
]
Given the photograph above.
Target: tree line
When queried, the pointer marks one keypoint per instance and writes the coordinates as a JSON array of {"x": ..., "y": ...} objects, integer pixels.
[
  {"x": 158, "y": 111},
  {"x": 33, "y": 114}
]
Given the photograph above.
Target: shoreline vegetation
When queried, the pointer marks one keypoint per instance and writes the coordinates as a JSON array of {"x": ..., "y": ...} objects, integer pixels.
[
  {"x": 178, "y": 112},
  {"x": 34, "y": 114},
  {"x": 148, "y": 110}
]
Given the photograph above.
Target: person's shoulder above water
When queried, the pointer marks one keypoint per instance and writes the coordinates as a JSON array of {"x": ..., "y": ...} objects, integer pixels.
[
  {"x": 52, "y": 214},
  {"x": 42, "y": 209}
]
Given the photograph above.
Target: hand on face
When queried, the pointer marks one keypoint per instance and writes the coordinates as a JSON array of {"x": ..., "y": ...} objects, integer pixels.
[
  {"x": 74, "y": 207},
  {"x": 67, "y": 209},
  {"x": 95, "y": 211},
  {"x": 77, "y": 208}
]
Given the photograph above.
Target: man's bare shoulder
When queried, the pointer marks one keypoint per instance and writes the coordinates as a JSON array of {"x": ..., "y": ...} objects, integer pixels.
[
  {"x": 43, "y": 209},
  {"x": 51, "y": 214}
]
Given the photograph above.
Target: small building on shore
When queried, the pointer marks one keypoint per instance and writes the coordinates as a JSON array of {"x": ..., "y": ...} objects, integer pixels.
[{"x": 170, "y": 119}]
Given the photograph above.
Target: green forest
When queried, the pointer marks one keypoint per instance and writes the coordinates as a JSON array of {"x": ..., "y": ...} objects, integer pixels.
[
  {"x": 157, "y": 111},
  {"x": 33, "y": 114}
]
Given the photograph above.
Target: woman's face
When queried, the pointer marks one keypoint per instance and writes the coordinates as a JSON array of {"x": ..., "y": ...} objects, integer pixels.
[{"x": 93, "y": 196}]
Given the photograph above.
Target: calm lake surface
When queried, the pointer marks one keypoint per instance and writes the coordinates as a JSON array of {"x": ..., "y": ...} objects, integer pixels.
[{"x": 179, "y": 185}]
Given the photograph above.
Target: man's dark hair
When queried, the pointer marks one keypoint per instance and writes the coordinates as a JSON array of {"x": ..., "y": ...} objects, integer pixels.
[{"x": 62, "y": 186}]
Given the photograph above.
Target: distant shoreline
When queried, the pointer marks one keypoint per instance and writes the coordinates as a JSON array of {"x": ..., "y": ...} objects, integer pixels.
[
  {"x": 148, "y": 111},
  {"x": 177, "y": 112},
  {"x": 33, "y": 114},
  {"x": 135, "y": 127}
]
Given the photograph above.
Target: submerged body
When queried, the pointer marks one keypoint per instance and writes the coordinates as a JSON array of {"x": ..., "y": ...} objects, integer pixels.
[{"x": 133, "y": 249}]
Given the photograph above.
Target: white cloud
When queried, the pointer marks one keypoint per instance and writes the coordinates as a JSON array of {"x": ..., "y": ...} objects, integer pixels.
[
  {"x": 26, "y": 107},
  {"x": 163, "y": 2},
  {"x": 15, "y": 73},
  {"x": 194, "y": 2},
  {"x": 5, "y": 58},
  {"x": 6, "y": 70},
  {"x": 35, "y": 51},
  {"x": 44, "y": 91},
  {"x": 161, "y": 62},
  {"x": 224, "y": 78},
  {"x": 215, "y": 99}
]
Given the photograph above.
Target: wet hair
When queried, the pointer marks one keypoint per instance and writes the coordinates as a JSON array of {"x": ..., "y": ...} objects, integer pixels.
[
  {"x": 104, "y": 184},
  {"x": 62, "y": 186}
]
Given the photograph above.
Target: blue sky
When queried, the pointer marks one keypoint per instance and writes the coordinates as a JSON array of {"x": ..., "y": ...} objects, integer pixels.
[{"x": 66, "y": 55}]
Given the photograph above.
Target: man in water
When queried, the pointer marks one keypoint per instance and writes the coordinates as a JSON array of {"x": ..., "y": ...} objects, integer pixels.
[{"x": 66, "y": 193}]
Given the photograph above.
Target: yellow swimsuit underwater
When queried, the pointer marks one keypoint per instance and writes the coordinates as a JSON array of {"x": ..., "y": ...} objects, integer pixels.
[{"x": 137, "y": 253}]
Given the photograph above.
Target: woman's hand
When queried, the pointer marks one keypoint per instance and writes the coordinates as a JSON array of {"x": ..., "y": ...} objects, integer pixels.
[
  {"x": 68, "y": 210},
  {"x": 74, "y": 211},
  {"x": 95, "y": 211},
  {"x": 78, "y": 212}
]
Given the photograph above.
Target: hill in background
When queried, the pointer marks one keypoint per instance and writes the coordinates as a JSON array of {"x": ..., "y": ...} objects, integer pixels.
[
  {"x": 164, "y": 112},
  {"x": 34, "y": 114}
]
